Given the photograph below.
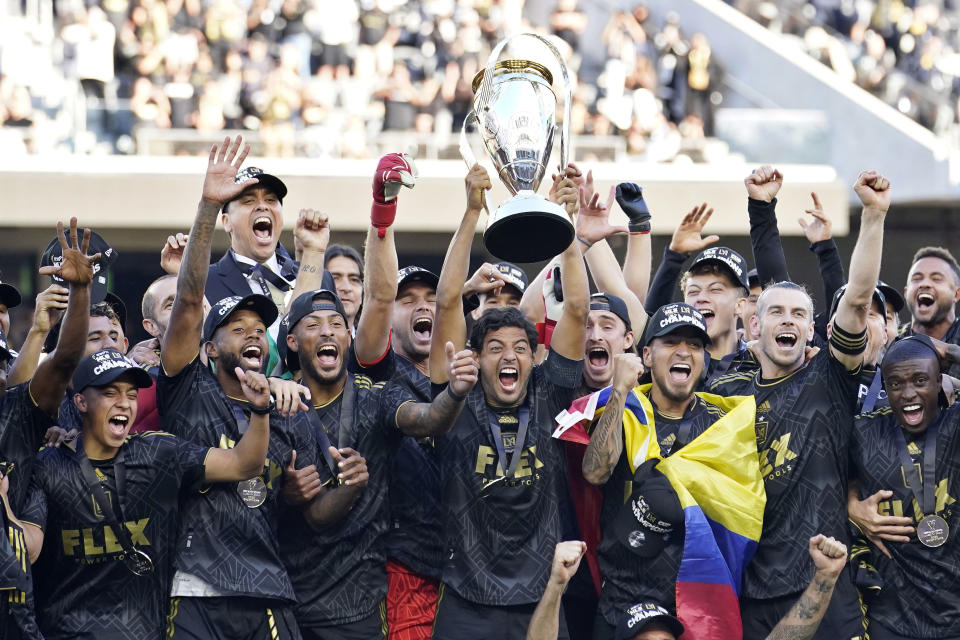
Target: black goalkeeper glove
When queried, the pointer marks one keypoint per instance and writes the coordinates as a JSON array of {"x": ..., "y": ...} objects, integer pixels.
[{"x": 630, "y": 199}]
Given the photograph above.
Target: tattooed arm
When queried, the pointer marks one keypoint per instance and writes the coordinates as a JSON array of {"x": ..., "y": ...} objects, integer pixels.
[
  {"x": 182, "y": 339},
  {"x": 421, "y": 419},
  {"x": 606, "y": 441},
  {"x": 803, "y": 619}
]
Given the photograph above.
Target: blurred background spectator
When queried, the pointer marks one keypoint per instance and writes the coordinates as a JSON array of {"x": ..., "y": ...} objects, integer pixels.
[{"x": 328, "y": 77}]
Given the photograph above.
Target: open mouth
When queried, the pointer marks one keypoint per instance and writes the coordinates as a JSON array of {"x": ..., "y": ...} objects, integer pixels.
[
  {"x": 328, "y": 354},
  {"x": 680, "y": 373},
  {"x": 912, "y": 413},
  {"x": 252, "y": 355},
  {"x": 598, "y": 357},
  {"x": 925, "y": 301},
  {"x": 786, "y": 340},
  {"x": 707, "y": 315},
  {"x": 118, "y": 425},
  {"x": 423, "y": 328},
  {"x": 508, "y": 377},
  {"x": 263, "y": 228}
]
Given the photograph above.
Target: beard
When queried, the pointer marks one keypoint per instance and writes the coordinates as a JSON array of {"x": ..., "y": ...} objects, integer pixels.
[{"x": 308, "y": 370}]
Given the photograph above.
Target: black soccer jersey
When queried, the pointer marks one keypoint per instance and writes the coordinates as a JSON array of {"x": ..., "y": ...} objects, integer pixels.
[
  {"x": 627, "y": 577},
  {"x": 500, "y": 542},
  {"x": 22, "y": 427},
  {"x": 339, "y": 572},
  {"x": 69, "y": 417},
  {"x": 82, "y": 586},
  {"x": 742, "y": 361},
  {"x": 920, "y": 597},
  {"x": 224, "y": 542},
  {"x": 415, "y": 513},
  {"x": 803, "y": 425}
]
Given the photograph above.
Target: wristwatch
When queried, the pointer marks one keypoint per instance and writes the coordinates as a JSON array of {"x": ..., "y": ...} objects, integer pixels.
[{"x": 262, "y": 411}]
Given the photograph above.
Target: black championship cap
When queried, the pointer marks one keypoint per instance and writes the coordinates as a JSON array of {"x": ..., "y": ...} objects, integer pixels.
[
  {"x": 611, "y": 303},
  {"x": 728, "y": 258},
  {"x": 652, "y": 518},
  {"x": 674, "y": 316},
  {"x": 53, "y": 256},
  {"x": 635, "y": 620},
  {"x": 5, "y": 351},
  {"x": 514, "y": 275},
  {"x": 414, "y": 273},
  {"x": 103, "y": 367},
  {"x": 753, "y": 278},
  {"x": 878, "y": 297},
  {"x": 9, "y": 295},
  {"x": 266, "y": 180},
  {"x": 259, "y": 304},
  {"x": 891, "y": 295},
  {"x": 306, "y": 303}
]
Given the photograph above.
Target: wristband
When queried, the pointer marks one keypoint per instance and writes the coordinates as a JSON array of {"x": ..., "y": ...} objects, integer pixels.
[
  {"x": 262, "y": 411},
  {"x": 589, "y": 244}
]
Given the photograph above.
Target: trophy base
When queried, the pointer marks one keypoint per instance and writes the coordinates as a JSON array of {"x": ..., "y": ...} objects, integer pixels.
[{"x": 528, "y": 228}]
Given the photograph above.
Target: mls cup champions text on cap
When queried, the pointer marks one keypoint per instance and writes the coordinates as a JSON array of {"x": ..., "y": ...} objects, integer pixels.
[
  {"x": 674, "y": 314},
  {"x": 725, "y": 256}
]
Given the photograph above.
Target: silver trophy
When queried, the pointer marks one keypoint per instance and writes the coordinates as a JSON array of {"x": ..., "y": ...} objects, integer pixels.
[{"x": 515, "y": 109}]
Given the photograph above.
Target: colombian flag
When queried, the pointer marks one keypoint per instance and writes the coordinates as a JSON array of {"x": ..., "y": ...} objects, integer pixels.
[{"x": 717, "y": 479}]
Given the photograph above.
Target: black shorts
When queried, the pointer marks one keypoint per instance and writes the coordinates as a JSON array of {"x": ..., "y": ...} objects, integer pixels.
[
  {"x": 230, "y": 618},
  {"x": 460, "y": 619},
  {"x": 372, "y": 627},
  {"x": 842, "y": 621}
]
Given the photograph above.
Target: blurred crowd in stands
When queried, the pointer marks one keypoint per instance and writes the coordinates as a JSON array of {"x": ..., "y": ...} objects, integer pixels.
[
  {"x": 334, "y": 73},
  {"x": 324, "y": 78}
]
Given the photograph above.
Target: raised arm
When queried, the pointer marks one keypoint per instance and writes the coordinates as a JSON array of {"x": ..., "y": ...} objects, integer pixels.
[
  {"x": 568, "y": 337},
  {"x": 245, "y": 460},
  {"x": 50, "y": 381},
  {"x": 449, "y": 324},
  {"x": 394, "y": 171},
  {"x": 851, "y": 319},
  {"x": 606, "y": 441},
  {"x": 593, "y": 226},
  {"x": 51, "y": 302},
  {"x": 802, "y": 621},
  {"x": 832, "y": 277},
  {"x": 420, "y": 419},
  {"x": 545, "y": 622},
  {"x": 638, "y": 262},
  {"x": 312, "y": 235},
  {"x": 181, "y": 342},
  {"x": 687, "y": 239},
  {"x": 762, "y": 188}
]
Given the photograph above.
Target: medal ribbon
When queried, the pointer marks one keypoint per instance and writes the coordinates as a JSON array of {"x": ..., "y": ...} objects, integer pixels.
[
  {"x": 524, "y": 418},
  {"x": 96, "y": 489},
  {"x": 923, "y": 489}
]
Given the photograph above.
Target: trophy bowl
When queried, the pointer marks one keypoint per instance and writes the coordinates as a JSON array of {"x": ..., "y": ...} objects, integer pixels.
[{"x": 515, "y": 109}]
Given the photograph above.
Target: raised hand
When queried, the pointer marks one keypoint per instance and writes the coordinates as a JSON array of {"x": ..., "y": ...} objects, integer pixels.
[
  {"x": 627, "y": 369},
  {"x": 486, "y": 279},
  {"x": 289, "y": 396},
  {"x": 300, "y": 485},
  {"x": 829, "y": 555},
  {"x": 567, "y": 195},
  {"x": 51, "y": 303},
  {"x": 255, "y": 387},
  {"x": 76, "y": 267},
  {"x": 220, "y": 182},
  {"x": 145, "y": 352},
  {"x": 584, "y": 183},
  {"x": 873, "y": 190},
  {"x": 593, "y": 222},
  {"x": 876, "y": 527},
  {"x": 566, "y": 560},
  {"x": 394, "y": 170},
  {"x": 312, "y": 232},
  {"x": 476, "y": 182},
  {"x": 462, "y": 370},
  {"x": 352, "y": 466},
  {"x": 764, "y": 183},
  {"x": 630, "y": 199},
  {"x": 172, "y": 253},
  {"x": 687, "y": 238},
  {"x": 818, "y": 229}
]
